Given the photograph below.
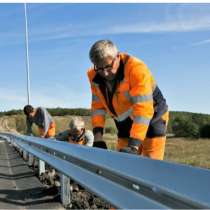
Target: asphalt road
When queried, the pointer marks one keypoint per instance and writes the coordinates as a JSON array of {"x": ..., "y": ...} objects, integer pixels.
[{"x": 19, "y": 187}]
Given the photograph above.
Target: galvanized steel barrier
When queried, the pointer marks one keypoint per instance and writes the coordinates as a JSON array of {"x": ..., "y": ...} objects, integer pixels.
[{"x": 125, "y": 181}]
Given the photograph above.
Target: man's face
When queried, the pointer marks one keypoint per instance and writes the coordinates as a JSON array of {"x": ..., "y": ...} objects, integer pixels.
[
  {"x": 76, "y": 132},
  {"x": 31, "y": 114},
  {"x": 109, "y": 68}
]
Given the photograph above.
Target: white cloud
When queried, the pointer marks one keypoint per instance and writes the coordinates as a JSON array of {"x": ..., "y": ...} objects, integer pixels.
[
  {"x": 206, "y": 41},
  {"x": 176, "y": 26},
  {"x": 183, "y": 18},
  {"x": 68, "y": 31}
]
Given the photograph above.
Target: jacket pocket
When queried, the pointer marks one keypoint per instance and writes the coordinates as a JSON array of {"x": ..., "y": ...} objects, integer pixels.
[{"x": 157, "y": 128}]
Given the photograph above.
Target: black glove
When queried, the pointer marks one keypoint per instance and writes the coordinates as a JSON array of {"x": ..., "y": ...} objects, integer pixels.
[
  {"x": 131, "y": 150},
  {"x": 100, "y": 144}
]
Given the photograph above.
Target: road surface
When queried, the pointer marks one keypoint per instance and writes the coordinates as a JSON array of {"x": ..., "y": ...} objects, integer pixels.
[{"x": 19, "y": 187}]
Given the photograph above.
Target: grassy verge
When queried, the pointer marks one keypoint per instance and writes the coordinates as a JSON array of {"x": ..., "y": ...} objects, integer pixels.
[
  {"x": 180, "y": 150},
  {"x": 190, "y": 152}
]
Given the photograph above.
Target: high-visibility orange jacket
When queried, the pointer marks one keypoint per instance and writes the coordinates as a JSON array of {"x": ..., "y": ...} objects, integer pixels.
[{"x": 136, "y": 97}]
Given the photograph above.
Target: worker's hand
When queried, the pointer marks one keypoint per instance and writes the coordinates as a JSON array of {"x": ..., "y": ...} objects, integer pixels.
[
  {"x": 131, "y": 150},
  {"x": 133, "y": 145},
  {"x": 100, "y": 144}
]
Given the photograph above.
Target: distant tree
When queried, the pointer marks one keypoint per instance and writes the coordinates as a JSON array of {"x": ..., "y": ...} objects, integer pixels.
[
  {"x": 193, "y": 130},
  {"x": 64, "y": 111},
  {"x": 185, "y": 128},
  {"x": 13, "y": 112},
  {"x": 205, "y": 131}
]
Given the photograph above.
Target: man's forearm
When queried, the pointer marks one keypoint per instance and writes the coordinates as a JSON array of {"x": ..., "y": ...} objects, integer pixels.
[{"x": 28, "y": 128}]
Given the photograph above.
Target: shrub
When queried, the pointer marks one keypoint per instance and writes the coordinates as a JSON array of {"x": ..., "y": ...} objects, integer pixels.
[
  {"x": 185, "y": 128},
  {"x": 205, "y": 131}
]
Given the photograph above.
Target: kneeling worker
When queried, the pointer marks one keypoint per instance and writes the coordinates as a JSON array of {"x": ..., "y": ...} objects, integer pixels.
[
  {"x": 41, "y": 117},
  {"x": 77, "y": 134}
]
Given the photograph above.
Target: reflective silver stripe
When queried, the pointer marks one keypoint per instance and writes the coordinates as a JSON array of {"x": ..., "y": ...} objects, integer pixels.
[
  {"x": 124, "y": 115},
  {"x": 136, "y": 99},
  {"x": 95, "y": 97},
  {"x": 99, "y": 112},
  {"x": 140, "y": 119}
]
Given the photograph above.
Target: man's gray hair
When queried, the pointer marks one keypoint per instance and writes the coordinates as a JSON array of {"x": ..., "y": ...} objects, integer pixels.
[
  {"x": 102, "y": 50},
  {"x": 77, "y": 123}
]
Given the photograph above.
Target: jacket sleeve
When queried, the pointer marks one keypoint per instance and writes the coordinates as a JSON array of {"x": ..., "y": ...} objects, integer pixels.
[
  {"x": 97, "y": 109},
  {"x": 89, "y": 137},
  {"x": 62, "y": 136},
  {"x": 141, "y": 92},
  {"x": 29, "y": 124},
  {"x": 46, "y": 120}
]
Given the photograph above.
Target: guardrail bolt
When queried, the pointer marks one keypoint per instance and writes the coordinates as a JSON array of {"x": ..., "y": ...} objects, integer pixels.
[
  {"x": 135, "y": 186},
  {"x": 155, "y": 189},
  {"x": 99, "y": 171}
]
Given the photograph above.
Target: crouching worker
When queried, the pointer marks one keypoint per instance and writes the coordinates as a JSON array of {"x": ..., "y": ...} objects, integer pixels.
[
  {"x": 41, "y": 117},
  {"x": 77, "y": 134}
]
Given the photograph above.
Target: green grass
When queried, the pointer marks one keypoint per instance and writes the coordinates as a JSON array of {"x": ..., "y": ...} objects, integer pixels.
[
  {"x": 180, "y": 150},
  {"x": 190, "y": 152}
]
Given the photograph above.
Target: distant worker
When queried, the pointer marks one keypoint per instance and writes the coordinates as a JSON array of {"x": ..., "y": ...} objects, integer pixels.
[
  {"x": 41, "y": 117},
  {"x": 123, "y": 87},
  {"x": 77, "y": 134}
]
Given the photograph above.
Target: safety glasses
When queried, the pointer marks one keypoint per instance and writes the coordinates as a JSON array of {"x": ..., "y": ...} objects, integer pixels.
[{"x": 108, "y": 67}]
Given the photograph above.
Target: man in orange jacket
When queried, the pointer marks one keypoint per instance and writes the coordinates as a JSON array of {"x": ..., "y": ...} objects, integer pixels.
[{"x": 124, "y": 87}]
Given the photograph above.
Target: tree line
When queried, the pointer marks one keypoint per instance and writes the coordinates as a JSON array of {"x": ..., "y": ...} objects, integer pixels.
[
  {"x": 181, "y": 124},
  {"x": 53, "y": 111},
  {"x": 188, "y": 124}
]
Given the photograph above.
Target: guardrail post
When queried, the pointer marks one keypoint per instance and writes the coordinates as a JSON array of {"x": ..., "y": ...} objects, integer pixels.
[
  {"x": 20, "y": 151},
  {"x": 30, "y": 159},
  {"x": 65, "y": 190},
  {"x": 41, "y": 167},
  {"x": 25, "y": 155}
]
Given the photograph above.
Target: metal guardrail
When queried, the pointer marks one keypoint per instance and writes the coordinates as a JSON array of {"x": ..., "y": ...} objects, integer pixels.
[{"x": 126, "y": 181}]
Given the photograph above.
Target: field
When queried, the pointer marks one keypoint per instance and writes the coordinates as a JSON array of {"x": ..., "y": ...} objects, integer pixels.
[
  {"x": 181, "y": 150},
  {"x": 178, "y": 150},
  {"x": 190, "y": 152}
]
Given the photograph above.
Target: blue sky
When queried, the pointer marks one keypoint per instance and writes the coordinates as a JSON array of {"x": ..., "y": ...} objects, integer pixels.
[{"x": 172, "y": 39}]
